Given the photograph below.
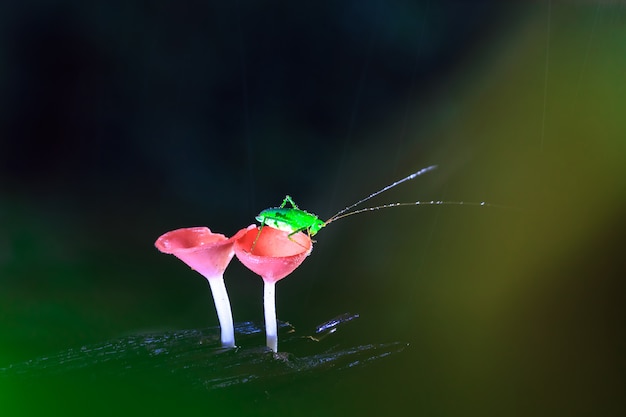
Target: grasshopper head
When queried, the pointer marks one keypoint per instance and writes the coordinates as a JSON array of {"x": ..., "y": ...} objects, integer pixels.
[{"x": 316, "y": 226}]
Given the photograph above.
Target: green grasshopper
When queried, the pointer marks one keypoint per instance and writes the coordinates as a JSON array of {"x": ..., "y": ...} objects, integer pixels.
[
  {"x": 293, "y": 220},
  {"x": 290, "y": 219}
]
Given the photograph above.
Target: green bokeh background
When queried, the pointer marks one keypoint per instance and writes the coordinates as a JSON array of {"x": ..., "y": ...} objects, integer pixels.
[{"x": 219, "y": 110}]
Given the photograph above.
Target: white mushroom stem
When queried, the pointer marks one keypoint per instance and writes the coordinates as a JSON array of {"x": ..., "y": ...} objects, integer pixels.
[
  {"x": 224, "y": 314},
  {"x": 269, "y": 305}
]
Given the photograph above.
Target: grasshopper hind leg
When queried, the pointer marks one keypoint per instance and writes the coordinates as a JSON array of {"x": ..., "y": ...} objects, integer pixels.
[
  {"x": 257, "y": 237},
  {"x": 289, "y": 200}
]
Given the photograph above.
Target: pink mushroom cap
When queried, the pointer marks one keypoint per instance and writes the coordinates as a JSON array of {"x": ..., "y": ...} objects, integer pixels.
[
  {"x": 275, "y": 254},
  {"x": 204, "y": 251}
]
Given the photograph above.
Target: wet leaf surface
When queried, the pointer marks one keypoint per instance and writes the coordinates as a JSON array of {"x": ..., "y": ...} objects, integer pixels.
[{"x": 195, "y": 358}]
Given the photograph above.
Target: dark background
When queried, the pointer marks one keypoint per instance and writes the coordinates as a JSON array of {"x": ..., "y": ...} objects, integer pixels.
[{"x": 121, "y": 120}]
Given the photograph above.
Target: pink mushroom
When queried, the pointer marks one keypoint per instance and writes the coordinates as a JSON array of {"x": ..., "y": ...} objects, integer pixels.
[
  {"x": 276, "y": 255},
  {"x": 209, "y": 254}
]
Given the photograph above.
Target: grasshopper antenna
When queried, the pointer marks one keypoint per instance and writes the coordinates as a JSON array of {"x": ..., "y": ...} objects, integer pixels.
[
  {"x": 416, "y": 203},
  {"x": 341, "y": 214}
]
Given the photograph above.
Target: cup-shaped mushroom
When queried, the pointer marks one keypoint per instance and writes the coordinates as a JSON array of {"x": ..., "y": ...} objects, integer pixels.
[
  {"x": 209, "y": 254},
  {"x": 204, "y": 251},
  {"x": 273, "y": 254}
]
